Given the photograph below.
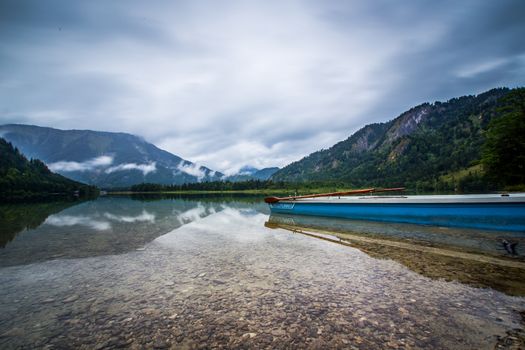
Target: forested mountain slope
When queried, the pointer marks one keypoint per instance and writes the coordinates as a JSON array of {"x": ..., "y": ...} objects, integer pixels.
[
  {"x": 21, "y": 178},
  {"x": 431, "y": 146}
]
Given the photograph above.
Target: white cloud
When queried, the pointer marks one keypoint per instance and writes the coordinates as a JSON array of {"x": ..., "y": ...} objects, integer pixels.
[
  {"x": 145, "y": 168},
  {"x": 87, "y": 165},
  {"x": 192, "y": 169},
  {"x": 71, "y": 220}
]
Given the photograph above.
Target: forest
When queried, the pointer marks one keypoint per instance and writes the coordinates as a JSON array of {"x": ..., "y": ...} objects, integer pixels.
[{"x": 23, "y": 179}]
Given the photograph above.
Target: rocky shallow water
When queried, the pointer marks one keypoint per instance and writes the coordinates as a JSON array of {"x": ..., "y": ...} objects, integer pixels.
[{"x": 224, "y": 280}]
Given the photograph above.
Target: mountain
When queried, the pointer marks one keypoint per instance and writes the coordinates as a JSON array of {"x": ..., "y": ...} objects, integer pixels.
[
  {"x": 265, "y": 173},
  {"x": 427, "y": 147},
  {"x": 247, "y": 173},
  {"x": 247, "y": 170},
  {"x": 105, "y": 159},
  {"x": 21, "y": 178}
]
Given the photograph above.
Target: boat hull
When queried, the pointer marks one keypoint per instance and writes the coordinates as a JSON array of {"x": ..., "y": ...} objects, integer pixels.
[{"x": 490, "y": 216}]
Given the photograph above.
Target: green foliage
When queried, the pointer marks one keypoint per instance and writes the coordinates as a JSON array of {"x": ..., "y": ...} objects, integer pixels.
[
  {"x": 504, "y": 149},
  {"x": 22, "y": 179}
]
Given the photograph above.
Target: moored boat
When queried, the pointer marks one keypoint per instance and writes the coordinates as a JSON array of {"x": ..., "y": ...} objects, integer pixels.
[{"x": 484, "y": 211}]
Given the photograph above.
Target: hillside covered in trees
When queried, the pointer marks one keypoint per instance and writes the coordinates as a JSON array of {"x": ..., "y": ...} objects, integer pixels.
[
  {"x": 470, "y": 143},
  {"x": 22, "y": 179},
  {"x": 503, "y": 154}
]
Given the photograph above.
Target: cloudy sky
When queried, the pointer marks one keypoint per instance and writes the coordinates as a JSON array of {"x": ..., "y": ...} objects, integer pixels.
[{"x": 264, "y": 83}]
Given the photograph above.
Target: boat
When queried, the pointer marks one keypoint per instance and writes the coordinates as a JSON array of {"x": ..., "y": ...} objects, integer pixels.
[{"x": 502, "y": 212}]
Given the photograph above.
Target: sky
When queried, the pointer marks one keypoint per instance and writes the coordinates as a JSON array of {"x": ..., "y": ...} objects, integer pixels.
[{"x": 261, "y": 83}]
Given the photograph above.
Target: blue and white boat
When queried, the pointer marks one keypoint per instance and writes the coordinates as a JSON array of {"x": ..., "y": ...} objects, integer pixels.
[{"x": 505, "y": 212}]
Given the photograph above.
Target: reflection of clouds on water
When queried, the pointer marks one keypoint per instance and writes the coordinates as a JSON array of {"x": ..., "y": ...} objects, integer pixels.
[
  {"x": 109, "y": 225},
  {"x": 102, "y": 221},
  {"x": 193, "y": 214},
  {"x": 144, "y": 217},
  {"x": 96, "y": 223},
  {"x": 71, "y": 220},
  {"x": 239, "y": 225}
]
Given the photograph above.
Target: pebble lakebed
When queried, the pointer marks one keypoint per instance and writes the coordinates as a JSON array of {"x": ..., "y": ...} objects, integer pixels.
[{"x": 226, "y": 281}]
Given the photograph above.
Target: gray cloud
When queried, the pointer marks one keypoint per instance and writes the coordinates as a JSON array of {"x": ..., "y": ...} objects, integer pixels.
[{"x": 231, "y": 83}]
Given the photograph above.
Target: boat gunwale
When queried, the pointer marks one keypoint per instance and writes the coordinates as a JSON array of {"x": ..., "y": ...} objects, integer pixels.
[{"x": 496, "y": 199}]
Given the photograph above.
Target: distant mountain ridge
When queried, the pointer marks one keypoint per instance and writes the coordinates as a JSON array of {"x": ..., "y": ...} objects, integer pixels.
[
  {"x": 265, "y": 173},
  {"x": 247, "y": 173},
  {"x": 419, "y": 148},
  {"x": 105, "y": 159}
]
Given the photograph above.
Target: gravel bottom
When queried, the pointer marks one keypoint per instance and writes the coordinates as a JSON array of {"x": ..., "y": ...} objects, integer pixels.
[{"x": 226, "y": 281}]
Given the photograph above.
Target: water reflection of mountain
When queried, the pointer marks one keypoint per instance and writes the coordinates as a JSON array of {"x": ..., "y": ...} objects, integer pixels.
[
  {"x": 109, "y": 225},
  {"x": 17, "y": 218},
  {"x": 474, "y": 257}
]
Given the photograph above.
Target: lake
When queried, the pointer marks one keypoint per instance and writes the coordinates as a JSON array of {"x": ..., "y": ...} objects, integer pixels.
[{"x": 221, "y": 272}]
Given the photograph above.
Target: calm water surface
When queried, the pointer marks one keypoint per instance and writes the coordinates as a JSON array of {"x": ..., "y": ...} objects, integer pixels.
[{"x": 221, "y": 273}]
